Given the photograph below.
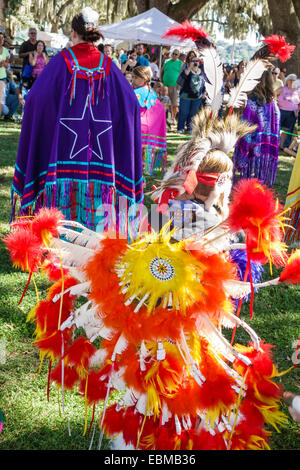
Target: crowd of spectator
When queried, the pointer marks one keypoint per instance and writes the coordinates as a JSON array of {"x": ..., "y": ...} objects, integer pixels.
[{"x": 176, "y": 77}]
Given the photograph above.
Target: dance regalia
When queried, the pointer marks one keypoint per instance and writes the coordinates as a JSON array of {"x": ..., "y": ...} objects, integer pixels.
[
  {"x": 256, "y": 154},
  {"x": 153, "y": 119},
  {"x": 292, "y": 203},
  {"x": 159, "y": 308},
  {"x": 80, "y": 144}
]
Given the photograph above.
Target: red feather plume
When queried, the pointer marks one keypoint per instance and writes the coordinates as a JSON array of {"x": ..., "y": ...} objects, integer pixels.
[
  {"x": 255, "y": 210},
  {"x": 79, "y": 353},
  {"x": 70, "y": 376},
  {"x": 291, "y": 272},
  {"x": 279, "y": 47},
  {"x": 186, "y": 31},
  {"x": 51, "y": 267},
  {"x": 51, "y": 343},
  {"x": 95, "y": 388},
  {"x": 25, "y": 249},
  {"x": 46, "y": 222}
]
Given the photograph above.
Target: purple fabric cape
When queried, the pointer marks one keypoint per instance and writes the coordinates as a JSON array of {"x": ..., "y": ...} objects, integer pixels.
[
  {"x": 79, "y": 156},
  {"x": 256, "y": 154}
]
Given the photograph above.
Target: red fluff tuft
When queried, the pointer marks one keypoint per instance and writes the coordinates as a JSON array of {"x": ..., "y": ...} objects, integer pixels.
[
  {"x": 113, "y": 422},
  {"x": 48, "y": 314},
  {"x": 249, "y": 427},
  {"x": 51, "y": 266},
  {"x": 70, "y": 376},
  {"x": 79, "y": 353},
  {"x": 255, "y": 210},
  {"x": 206, "y": 441},
  {"x": 279, "y": 47},
  {"x": 25, "y": 249},
  {"x": 126, "y": 420},
  {"x": 46, "y": 222},
  {"x": 132, "y": 425},
  {"x": 251, "y": 201},
  {"x": 95, "y": 388},
  {"x": 164, "y": 438},
  {"x": 291, "y": 272},
  {"x": 186, "y": 31},
  {"x": 22, "y": 222},
  {"x": 262, "y": 360},
  {"x": 51, "y": 343}
]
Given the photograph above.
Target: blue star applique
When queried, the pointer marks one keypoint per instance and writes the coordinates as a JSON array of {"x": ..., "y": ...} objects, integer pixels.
[{"x": 87, "y": 131}]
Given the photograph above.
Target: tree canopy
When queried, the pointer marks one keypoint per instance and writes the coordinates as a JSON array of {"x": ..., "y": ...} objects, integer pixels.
[{"x": 234, "y": 19}]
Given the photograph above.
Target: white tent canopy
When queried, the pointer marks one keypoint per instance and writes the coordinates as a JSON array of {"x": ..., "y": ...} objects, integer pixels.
[{"x": 147, "y": 28}]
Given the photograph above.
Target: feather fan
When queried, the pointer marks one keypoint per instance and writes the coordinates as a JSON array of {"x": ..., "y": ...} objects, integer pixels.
[{"x": 249, "y": 79}]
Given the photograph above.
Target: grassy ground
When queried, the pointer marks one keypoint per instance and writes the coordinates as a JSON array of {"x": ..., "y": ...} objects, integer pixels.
[{"x": 30, "y": 422}]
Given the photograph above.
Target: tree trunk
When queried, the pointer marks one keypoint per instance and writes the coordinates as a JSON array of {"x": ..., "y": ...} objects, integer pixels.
[
  {"x": 4, "y": 18},
  {"x": 286, "y": 23},
  {"x": 180, "y": 11},
  {"x": 185, "y": 9},
  {"x": 2, "y": 6}
]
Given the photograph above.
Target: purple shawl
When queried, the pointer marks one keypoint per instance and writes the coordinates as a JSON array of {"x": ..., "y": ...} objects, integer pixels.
[
  {"x": 256, "y": 154},
  {"x": 82, "y": 154}
]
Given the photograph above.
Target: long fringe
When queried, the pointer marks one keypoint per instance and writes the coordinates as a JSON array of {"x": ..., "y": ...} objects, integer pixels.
[
  {"x": 154, "y": 160},
  {"x": 95, "y": 205}
]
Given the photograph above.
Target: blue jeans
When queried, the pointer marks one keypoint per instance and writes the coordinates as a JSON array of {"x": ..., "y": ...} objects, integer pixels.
[
  {"x": 10, "y": 106},
  {"x": 187, "y": 110},
  {"x": 287, "y": 122}
]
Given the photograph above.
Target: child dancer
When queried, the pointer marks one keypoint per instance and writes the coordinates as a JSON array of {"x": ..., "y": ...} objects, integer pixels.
[{"x": 153, "y": 120}]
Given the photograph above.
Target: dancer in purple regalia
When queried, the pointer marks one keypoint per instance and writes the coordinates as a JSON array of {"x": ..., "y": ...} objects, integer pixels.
[
  {"x": 256, "y": 154},
  {"x": 80, "y": 145}
]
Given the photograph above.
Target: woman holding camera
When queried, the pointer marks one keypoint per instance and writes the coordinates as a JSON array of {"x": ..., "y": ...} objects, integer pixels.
[
  {"x": 130, "y": 63},
  {"x": 191, "y": 81}
]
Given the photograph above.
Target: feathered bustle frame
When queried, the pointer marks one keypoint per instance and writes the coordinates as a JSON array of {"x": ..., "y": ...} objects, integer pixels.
[{"x": 159, "y": 308}]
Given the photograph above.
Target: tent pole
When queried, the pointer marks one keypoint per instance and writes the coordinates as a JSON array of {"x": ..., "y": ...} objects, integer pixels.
[{"x": 160, "y": 54}]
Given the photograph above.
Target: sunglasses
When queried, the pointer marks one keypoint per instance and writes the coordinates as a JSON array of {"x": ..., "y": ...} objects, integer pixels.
[{"x": 175, "y": 54}]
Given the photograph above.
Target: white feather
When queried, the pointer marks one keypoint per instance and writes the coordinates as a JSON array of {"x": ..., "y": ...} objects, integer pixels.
[
  {"x": 89, "y": 15},
  {"x": 214, "y": 74},
  {"x": 107, "y": 333},
  {"x": 248, "y": 80},
  {"x": 225, "y": 348},
  {"x": 250, "y": 331},
  {"x": 117, "y": 380},
  {"x": 129, "y": 398},
  {"x": 237, "y": 289},
  {"x": 85, "y": 238},
  {"x": 166, "y": 414},
  {"x": 98, "y": 358},
  {"x": 73, "y": 255},
  {"x": 77, "y": 290},
  {"x": 121, "y": 345},
  {"x": 118, "y": 443}
]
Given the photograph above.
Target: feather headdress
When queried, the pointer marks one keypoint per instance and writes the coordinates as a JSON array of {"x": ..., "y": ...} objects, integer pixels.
[{"x": 209, "y": 133}]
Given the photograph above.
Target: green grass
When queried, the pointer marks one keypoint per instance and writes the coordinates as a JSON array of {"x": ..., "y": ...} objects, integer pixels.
[{"x": 32, "y": 423}]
